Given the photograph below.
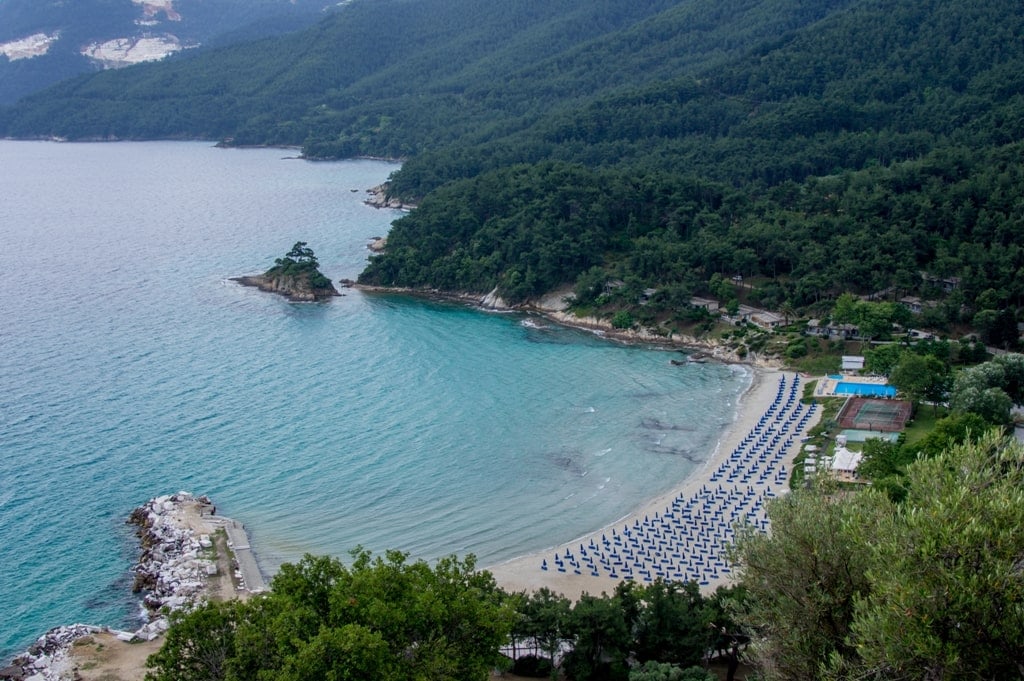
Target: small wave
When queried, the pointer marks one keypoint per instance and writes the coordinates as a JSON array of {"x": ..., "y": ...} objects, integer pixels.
[{"x": 603, "y": 452}]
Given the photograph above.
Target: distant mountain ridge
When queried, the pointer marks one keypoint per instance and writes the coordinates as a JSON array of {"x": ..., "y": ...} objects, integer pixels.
[{"x": 45, "y": 41}]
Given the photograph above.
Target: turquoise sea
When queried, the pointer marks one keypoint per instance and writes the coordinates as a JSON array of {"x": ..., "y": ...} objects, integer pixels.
[{"x": 130, "y": 366}]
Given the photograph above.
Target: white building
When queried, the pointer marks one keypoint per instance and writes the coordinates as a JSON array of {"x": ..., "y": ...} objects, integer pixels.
[{"x": 844, "y": 464}]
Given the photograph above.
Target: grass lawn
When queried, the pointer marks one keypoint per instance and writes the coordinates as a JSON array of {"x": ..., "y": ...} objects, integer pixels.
[{"x": 923, "y": 423}]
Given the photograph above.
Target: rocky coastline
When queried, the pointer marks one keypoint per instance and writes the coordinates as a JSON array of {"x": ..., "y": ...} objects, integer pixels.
[
  {"x": 553, "y": 308},
  {"x": 378, "y": 198},
  {"x": 173, "y": 571},
  {"x": 296, "y": 289}
]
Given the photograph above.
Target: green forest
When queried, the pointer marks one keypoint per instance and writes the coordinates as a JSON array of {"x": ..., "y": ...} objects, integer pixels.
[{"x": 813, "y": 148}]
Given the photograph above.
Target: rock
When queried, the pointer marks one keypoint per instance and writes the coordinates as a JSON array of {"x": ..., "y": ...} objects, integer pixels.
[
  {"x": 297, "y": 289},
  {"x": 379, "y": 198},
  {"x": 493, "y": 301},
  {"x": 12, "y": 672}
]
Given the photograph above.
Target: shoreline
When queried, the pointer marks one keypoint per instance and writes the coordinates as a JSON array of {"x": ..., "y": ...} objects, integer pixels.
[
  {"x": 545, "y": 568},
  {"x": 187, "y": 555},
  {"x": 91, "y": 653},
  {"x": 551, "y": 308},
  {"x": 527, "y": 572}
]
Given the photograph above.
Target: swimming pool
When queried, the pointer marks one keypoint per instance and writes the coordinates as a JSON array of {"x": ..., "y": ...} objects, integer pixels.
[{"x": 864, "y": 389}]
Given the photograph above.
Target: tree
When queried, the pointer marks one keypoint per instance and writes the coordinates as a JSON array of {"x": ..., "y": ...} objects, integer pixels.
[
  {"x": 623, "y": 320},
  {"x": 544, "y": 615},
  {"x": 380, "y": 618},
  {"x": 845, "y": 310},
  {"x": 672, "y": 626},
  {"x": 600, "y": 640},
  {"x": 302, "y": 254},
  {"x": 804, "y": 579},
  {"x": 881, "y": 459},
  {"x": 198, "y": 646},
  {"x": 881, "y": 359},
  {"x": 1012, "y": 382},
  {"x": 947, "y": 586},
  {"x": 920, "y": 378},
  {"x": 990, "y": 389}
]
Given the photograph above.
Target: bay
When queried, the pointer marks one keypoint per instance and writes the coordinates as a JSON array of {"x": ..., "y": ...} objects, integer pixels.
[{"x": 131, "y": 366}]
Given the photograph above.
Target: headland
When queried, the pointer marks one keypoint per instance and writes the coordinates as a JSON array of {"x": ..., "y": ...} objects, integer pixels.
[{"x": 188, "y": 555}]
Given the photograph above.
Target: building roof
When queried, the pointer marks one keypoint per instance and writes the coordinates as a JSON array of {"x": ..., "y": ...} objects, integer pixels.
[
  {"x": 845, "y": 460},
  {"x": 852, "y": 362}
]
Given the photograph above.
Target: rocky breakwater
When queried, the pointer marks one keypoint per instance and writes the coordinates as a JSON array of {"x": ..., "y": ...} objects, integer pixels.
[
  {"x": 47, "y": 659},
  {"x": 172, "y": 571}
]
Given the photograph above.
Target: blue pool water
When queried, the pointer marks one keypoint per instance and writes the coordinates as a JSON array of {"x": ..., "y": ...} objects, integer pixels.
[{"x": 864, "y": 389}]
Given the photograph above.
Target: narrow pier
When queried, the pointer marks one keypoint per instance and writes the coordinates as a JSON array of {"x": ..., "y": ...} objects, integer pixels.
[{"x": 238, "y": 541}]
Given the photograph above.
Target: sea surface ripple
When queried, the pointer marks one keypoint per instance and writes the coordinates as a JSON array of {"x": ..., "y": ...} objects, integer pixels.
[{"x": 132, "y": 366}]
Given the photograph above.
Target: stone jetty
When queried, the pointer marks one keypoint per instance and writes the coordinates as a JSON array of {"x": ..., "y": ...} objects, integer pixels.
[
  {"x": 173, "y": 572},
  {"x": 170, "y": 570}
]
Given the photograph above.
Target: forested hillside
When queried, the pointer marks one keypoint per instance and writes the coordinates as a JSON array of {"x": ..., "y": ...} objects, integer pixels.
[
  {"x": 811, "y": 147},
  {"x": 852, "y": 155}
]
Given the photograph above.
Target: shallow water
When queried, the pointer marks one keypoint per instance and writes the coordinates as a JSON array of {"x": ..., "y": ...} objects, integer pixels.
[{"x": 132, "y": 367}]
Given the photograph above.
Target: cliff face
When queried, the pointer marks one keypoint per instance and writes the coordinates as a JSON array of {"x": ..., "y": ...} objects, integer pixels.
[{"x": 293, "y": 287}]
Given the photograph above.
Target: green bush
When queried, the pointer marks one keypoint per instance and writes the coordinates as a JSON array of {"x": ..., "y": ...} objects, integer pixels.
[{"x": 622, "y": 320}]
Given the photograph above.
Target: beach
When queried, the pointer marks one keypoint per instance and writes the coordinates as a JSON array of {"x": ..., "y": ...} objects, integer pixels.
[
  {"x": 526, "y": 572},
  {"x": 771, "y": 400}
]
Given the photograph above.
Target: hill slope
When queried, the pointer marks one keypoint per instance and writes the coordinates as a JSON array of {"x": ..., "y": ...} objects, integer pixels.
[
  {"x": 394, "y": 77},
  {"x": 811, "y": 147}
]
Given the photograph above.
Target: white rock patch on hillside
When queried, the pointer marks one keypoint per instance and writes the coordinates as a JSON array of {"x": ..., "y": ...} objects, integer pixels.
[{"x": 34, "y": 45}]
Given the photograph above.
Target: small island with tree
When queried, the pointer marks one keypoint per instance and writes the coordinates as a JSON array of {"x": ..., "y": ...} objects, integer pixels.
[{"x": 297, "y": 275}]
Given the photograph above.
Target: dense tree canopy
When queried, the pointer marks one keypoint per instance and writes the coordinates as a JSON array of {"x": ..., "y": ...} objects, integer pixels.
[
  {"x": 929, "y": 588},
  {"x": 658, "y": 144},
  {"x": 380, "y": 618}
]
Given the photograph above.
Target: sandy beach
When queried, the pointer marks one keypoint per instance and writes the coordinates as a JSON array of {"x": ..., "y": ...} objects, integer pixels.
[{"x": 525, "y": 573}]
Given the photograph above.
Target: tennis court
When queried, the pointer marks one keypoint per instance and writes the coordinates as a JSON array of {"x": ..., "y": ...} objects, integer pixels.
[{"x": 867, "y": 414}]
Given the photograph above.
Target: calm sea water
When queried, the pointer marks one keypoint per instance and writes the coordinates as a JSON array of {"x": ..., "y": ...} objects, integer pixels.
[{"x": 130, "y": 366}]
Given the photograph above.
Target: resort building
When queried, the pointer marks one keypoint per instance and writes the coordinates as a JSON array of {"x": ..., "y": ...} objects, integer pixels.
[
  {"x": 832, "y": 331},
  {"x": 767, "y": 320},
  {"x": 706, "y": 303},
  {"x": 852, "y": 363},
  {"x": 844, "y": 464}
]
